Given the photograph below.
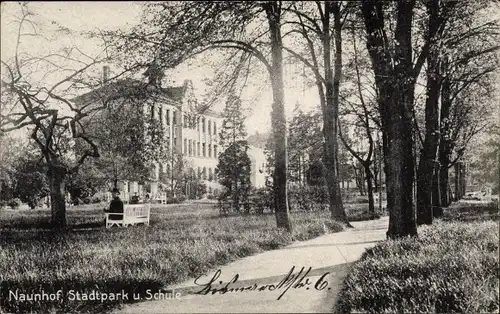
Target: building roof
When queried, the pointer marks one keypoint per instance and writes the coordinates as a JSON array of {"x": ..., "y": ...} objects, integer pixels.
[
  {"x": 175, "y": 92},
  {"x": 139, "y": 90},
  {"x": 134, "y": 89}
]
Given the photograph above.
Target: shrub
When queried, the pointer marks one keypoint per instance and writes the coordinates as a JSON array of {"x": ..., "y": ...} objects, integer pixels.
[
  {"x": 176, "y": 200},
  {"x": 262, "y": 199},
  {"x": 309, "y": 197},
  {"x": 87, "y": 200},
  {"x": 451, "y": 267},
  {"x": 172, "y": 200},
  {"x": 364, "y": 215},
  {"x": 14, "y": 203}
]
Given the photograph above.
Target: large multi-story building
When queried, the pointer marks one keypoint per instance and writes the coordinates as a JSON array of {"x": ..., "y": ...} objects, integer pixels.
[{"x": 189, "y": 133}]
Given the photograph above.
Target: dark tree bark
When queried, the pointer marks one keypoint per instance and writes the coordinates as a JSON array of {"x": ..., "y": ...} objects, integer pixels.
[
  {"x": 444, "y": 183},
  {"x": 445, "y": 146},
  {"x": 460, "y": 182},
  {"x": 458, "y": 190},
  {"x": 394, "y": 78},
  {"x": 328, "y": 85},
  {"x": 57, "y": 177},
  {"x": 282, "y": 212},
  {"x": 427, "y": 188},
  {"x": 330, "y": 115},
  {"x": 463, "y": 181},
  {"x": 436, "y": 192},
  {"x": 369, "y": 183}
]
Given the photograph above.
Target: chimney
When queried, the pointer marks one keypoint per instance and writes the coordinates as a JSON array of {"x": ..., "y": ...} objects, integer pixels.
[{"x": 105, "y": 73}]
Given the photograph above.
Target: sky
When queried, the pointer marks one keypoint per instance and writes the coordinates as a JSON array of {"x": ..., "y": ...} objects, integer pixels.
[{"x": 88, "y": 16}]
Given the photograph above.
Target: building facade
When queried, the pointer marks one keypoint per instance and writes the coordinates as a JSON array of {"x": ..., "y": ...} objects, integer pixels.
[
  {"x": 188, "y": 132},
  {"x": 191, "y": 136}
]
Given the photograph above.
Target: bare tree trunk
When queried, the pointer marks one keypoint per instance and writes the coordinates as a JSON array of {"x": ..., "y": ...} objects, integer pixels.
[
  {"x": 436, "y": 192},
  {"x": 429, "y": 151},
  {"x": 444, "y": 184},
  {"x": 396, "y": 83},
  {"x": 369, "y": 183},
  {"x": 463, "y": 179},
  {"x": 330, "y": 114},
  {"x": 444, "y": 144},
  {"x": 57, "y": 176},
  {"x": 458, "y": 190},
  {"x": 282, "y": 212},
  {"x": 358, "y": 180}
]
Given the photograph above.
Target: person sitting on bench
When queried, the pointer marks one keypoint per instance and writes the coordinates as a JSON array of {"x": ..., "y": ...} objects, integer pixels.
[{"x": 116, "y": 205}]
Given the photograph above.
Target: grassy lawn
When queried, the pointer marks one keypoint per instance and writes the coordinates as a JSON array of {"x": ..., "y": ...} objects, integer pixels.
[
  {"x": 182, "y": 241},
  {"x": 452, "y": 267}
]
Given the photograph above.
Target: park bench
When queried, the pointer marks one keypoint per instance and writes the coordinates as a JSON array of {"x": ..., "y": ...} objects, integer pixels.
[{"x": 132, "y": 215}]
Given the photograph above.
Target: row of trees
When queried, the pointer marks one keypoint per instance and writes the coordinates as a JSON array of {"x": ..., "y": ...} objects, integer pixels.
[{"x": 449, "y": 47}]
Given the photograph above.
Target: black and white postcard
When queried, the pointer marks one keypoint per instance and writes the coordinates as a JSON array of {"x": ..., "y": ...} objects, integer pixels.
[{"x": 250, "y": 156}]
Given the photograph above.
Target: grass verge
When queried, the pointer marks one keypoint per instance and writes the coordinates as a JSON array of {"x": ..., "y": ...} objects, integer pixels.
[
  {"x": 182, "y": 242},
  {"x": 453, "y": 266}
]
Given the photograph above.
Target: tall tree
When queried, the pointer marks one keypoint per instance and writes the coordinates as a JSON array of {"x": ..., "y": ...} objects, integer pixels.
[
  {"x": 468, "y": 62},
  {"x": 233, "y": 123},
  {"x": 324, "y": 21},
  {"x": 234, "y": 164},
  {"x": 127, "y": 132},
  {"x": 202, "y": 26},
  {"x": 37, "y": 101},
  {"x": 395, "y": 80},
  {"x": 458, "y": 39},
  {"x": 428, "y": 163},
  {"x": 363, "y": 114}
]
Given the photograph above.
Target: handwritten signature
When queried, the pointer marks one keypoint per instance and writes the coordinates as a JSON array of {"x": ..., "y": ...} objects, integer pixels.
[{"x": 291, "y": 280}]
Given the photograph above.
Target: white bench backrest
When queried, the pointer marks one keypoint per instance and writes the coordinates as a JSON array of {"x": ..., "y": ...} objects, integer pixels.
[{"x": 136, "y": 210}]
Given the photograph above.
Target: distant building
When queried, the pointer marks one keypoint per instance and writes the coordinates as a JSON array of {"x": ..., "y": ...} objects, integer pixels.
[{"x": 188, "y": 130}]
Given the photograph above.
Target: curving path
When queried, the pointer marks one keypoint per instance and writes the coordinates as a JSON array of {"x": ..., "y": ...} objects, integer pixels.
[{"x": 329, "y": 257}]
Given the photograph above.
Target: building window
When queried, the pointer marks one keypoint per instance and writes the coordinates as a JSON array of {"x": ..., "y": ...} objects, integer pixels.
[
  {"x": 198, "y": 149},
  {"x": 168, "y": 116},
  {"x": 204, "y": 173},
  {"x": 215, "y": 151},
  {"x": 203, "y": 124},
  {"x": 209, "y": 150},
  {"x": 215, "y": 128},
  {"x": 203, "y": 149},
  {"x": 185, "y": 146},
  {"x": 209, "y": 127},
  {"x": 190, "y": 149},
  {"x": 174, "y": 117},
  {"x": 210, "y": 175},
  {"x": 199, "y": 173},
  {"x": 160, "y": 116}
]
